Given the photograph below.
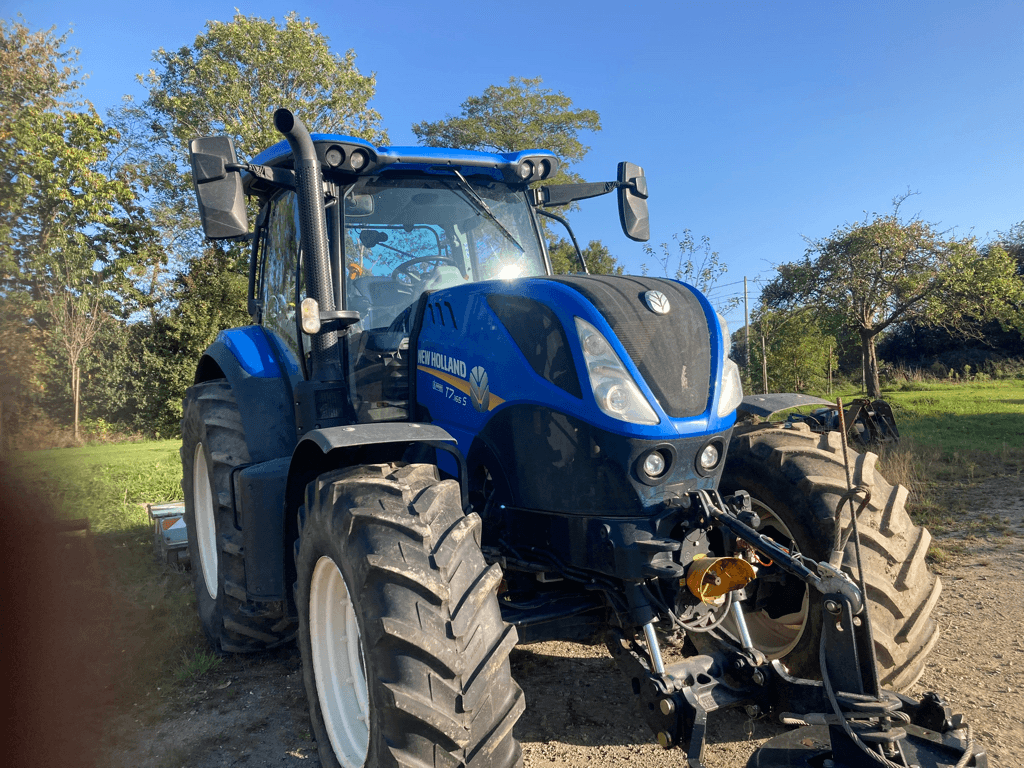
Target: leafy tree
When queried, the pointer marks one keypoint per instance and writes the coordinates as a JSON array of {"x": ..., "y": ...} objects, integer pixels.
[
  {"x": 510, "y": 118},
  {"x": 66, "y": 222},
  {"x": 599, "y": 259},
  {"x": 233, "y": 77},
  {"x": 229, "y": 81},
  {"x": 38, "y": 73},
  {"x": 791, "y": 350},
  {"x": 1013, "y": 243},
  {"x": 887, "y": 271},
  {"x": 692, "y": 262},
  {"x": 525, "y": 115},
  {"x": 19, "y": 374}
]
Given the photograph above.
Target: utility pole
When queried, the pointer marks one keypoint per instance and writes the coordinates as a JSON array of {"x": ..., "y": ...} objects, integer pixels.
[
  {"x": 764, "y": 367},
  {"x": 746, "y": 331}
]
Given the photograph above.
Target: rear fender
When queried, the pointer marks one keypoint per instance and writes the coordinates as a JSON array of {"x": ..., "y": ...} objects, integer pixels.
[
  {"x": 257, "y": 371},
  {"x": 766, "y": 405}
]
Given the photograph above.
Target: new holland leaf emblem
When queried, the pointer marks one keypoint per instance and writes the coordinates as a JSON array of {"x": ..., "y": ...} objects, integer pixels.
[{"x": 657, "y": 302}]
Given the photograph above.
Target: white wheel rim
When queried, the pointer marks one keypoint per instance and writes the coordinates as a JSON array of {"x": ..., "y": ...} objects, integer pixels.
[
  {"x": 206, "y": 520},
  {"x": 338, "y": 665},
  {"x": 774, "y": 637}
]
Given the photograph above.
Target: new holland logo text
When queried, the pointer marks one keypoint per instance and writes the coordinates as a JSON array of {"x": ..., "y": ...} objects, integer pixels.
[{"x": 442, "y": 362}]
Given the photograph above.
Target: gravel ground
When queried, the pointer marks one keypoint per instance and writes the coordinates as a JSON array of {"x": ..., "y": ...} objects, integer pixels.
[{"x": 252, "y": 710}]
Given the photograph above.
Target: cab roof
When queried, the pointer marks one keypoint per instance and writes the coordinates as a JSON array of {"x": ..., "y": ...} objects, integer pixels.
[{"x": 351, "y": 155}]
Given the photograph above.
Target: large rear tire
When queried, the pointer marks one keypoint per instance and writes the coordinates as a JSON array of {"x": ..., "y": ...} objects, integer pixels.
[
  {"x": 405, "y": 654},
  {"x": 796, "y": 479},
  {"x": 212, "y": 446}
]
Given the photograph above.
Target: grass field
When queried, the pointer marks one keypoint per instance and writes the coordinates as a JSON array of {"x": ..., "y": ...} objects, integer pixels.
[{"x": 982, "y": 416}]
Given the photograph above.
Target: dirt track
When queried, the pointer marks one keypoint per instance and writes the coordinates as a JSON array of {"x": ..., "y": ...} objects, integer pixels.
[{"x": 252, "y": 710}]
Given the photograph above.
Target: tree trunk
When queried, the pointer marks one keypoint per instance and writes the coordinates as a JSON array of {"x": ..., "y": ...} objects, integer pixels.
[
  {"x": 870, "y": 364},
  {"x": 75, "y": 393}
]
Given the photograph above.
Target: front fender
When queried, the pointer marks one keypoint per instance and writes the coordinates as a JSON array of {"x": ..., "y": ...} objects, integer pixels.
[{"x": 321, "y": 450}]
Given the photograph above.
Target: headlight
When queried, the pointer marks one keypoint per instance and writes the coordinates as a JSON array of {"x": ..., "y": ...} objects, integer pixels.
[
  {"x": 732, "y": 388},
  {"x": 614, "y": 389},
  {"x": 726, "y": 336},
  {"x": 709, "y": 457}
]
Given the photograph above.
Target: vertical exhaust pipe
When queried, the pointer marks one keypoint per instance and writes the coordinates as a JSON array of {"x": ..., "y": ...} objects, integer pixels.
[{"x": 313, "y": 221}]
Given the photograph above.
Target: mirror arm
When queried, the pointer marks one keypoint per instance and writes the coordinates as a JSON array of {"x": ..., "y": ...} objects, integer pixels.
[
  {"x": 576, "y": 245},
  {"x": 279, "y": 177},
  {"x": 563, "y": 194}
]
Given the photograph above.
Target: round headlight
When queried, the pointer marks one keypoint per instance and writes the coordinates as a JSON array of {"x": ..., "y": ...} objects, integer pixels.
[
  {"x": 616, "y": 398},
  {"x": 654, "y": 464},
  {"x": 709, "y": 457},
  {"x": 594, "y": 345},
  {"x": 334, "y": 156}
]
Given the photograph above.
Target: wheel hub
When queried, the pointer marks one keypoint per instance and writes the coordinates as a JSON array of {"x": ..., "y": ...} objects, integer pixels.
[
  {"x": 206, "y": 521},
  {"x": 338, "y": 664}
]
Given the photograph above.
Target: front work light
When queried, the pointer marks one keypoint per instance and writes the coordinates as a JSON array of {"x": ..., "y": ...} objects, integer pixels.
[{"x": 615, "y": 391}]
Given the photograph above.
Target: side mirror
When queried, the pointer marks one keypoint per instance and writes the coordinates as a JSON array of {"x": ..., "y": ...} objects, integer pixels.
[
  {"x": 218, "y": 191},
  {"x": 633, "y": 202}
]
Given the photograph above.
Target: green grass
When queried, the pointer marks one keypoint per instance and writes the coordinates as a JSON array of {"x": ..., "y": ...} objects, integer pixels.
[
  {"x": 107, "y": 484},
  {"x": 981, "y": 416}
]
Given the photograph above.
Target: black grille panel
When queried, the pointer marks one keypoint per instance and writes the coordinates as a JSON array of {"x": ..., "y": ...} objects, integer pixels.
[
  {"x": 540, "y": 337},
  {"x": 672, "y": 351}
]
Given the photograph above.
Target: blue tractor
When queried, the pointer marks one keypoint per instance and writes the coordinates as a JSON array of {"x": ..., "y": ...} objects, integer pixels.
[{"x": 427, "y": 448}]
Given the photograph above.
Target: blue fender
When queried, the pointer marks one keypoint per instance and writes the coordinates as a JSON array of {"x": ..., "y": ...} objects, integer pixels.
[{"x": 258, "y": 369}]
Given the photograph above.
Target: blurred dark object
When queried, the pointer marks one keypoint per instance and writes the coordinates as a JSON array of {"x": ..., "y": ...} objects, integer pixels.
[{"x": 56, "y": 620}]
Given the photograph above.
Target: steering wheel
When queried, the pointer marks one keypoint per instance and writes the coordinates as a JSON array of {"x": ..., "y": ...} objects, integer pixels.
[{"x": 403, "y": 269}]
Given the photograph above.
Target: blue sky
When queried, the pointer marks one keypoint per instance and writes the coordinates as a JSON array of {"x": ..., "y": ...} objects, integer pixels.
[{"x": 757, "y": 122}]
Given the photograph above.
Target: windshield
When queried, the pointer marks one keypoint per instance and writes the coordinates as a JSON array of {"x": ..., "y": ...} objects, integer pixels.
[{"x": 405, "y": 236}]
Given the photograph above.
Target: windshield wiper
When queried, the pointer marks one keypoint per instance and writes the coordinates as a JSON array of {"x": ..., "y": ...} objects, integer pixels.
[{"x": 481, "y": 205}]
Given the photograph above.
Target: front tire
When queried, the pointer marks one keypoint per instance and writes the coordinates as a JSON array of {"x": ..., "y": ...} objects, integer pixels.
[
  {"x": 795, "y": 479},
  {"x": 213, "y": 445},
  {"x": 405, "y": 655}
]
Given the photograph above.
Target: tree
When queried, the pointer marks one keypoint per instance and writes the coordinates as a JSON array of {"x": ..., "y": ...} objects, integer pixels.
[
  {"x": 524, "y": 115},
  {"x": 65, "y": 221},
  {"x": 229, "y": 81},
  {"x": 692, "y": 262},
  {"x": 1013, "y": 243},
  {"x": 792, "y": 351},
  {"x": 599, "y": 259},
  {"x": 520, "y": 115},
  {"x": 887, "y": 271},
  {"x": 233, "y": 77}
]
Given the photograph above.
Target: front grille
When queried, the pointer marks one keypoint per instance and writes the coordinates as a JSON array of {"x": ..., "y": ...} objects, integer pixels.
[{"x": 671, "y": 351}]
